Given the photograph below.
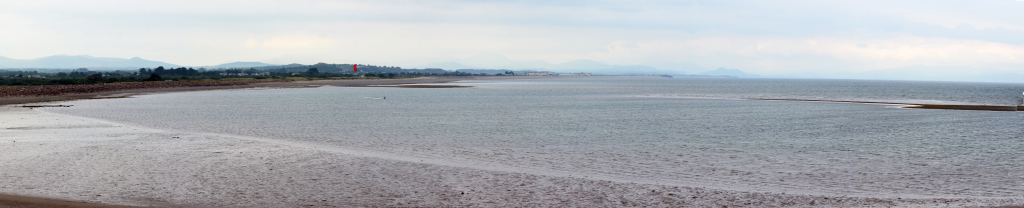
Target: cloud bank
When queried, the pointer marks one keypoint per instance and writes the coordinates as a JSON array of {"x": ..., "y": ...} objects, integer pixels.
[{"x": 765, "y": 37}]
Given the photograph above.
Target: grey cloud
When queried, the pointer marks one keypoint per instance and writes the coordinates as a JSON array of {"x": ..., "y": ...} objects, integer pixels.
[{"x": 775, "y": 18}]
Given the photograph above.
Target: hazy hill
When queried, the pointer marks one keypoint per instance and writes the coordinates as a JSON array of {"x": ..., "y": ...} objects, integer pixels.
[
  {"x": 583, "y": 64},
  {"x": 497, "y": 62},
  {"x": 70, "y": 62},
  {"x": 4, "y": 61},
  {"x": 240, "y": 64},
  {"x": 729, "y": 72},
  {"x": 628, "y": 70},
  {"x": 449, "y": 66},
  {"x": 492, "y": 71},
  {"x": 682, "y": 67}
]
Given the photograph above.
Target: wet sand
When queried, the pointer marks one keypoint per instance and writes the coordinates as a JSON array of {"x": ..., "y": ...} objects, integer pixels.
[
  {"x": 32, "y": 202},
  {"x": 71, "y": 159}
]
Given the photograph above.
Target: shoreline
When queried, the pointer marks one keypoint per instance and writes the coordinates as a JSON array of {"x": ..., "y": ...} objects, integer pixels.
[
  {"x": 125, "y": 93},
  {"x": 336, "y": 83}
]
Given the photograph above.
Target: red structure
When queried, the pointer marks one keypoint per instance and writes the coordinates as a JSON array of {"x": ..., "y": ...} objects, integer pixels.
[{"x": 354, "y": 68}]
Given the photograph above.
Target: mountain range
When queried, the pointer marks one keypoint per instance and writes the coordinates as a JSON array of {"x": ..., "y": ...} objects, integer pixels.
[
  {"x": 498, "y": 61},
  {"x": 730, "y": 72},
  {"x": 102, "y": 63},
  {"x": 240, "y": 64},
  {"x": 70, "y": 62}
]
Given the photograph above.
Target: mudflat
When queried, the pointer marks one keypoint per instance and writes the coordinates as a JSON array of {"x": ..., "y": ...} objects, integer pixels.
[
  {"x": 123, "y": 93},
  {"x": 67, "y": 161}
]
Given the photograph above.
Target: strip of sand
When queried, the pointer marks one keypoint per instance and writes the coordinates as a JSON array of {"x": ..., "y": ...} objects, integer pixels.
[{"x": 919, "y": 106}]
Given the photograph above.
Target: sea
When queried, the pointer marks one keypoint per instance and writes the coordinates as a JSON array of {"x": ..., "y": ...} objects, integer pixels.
[{"x": 695, "y": 132}]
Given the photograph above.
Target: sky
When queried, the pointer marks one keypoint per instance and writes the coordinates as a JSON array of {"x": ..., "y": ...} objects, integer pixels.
[{"x": 763, "y": 37}]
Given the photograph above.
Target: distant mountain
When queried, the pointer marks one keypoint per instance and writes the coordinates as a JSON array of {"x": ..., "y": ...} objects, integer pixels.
[
  {"x": 4, "y": 62},
  {"x": 492, "y": 71},
  {"x": 586, "y": 65},
  {"x": 729, "y": 72},
  {"x": 70, "y": 62},
  {"x": 448, "y": 66},
  {"x": 583, "y": 64},
  {"x": 627, "y": 70},
  {"x": 491, "y": 61},
  {"x": 240, "y": 64},
  {"x": 678, "y": 66},
  {"x": 500, "y": 62}
]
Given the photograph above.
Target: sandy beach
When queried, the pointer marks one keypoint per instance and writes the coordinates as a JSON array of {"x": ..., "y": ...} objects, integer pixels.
[{"x": 54, "y": 160}]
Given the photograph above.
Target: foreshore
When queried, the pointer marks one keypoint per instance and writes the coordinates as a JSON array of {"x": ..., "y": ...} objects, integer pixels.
[
  {"x": 407, "y": 83},
  {"x": 130, "y": 92},
  {"x": 54, "y": 160}
]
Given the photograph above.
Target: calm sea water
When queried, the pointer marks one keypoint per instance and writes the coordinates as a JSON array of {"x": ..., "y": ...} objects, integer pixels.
[{"x": 691, "y": 132}]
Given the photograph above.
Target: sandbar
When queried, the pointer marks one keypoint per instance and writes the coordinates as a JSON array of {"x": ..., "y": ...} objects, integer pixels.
[{"x": 914, "y": 105}]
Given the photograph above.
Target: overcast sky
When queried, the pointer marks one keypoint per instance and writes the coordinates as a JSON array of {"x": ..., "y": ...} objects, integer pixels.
[{"x": 766, "y": 37}]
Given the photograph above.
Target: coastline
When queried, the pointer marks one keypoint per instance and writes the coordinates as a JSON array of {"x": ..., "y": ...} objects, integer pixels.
[
  {"x": 336, "y": 83},
  {"x": 63, "y": 159}
]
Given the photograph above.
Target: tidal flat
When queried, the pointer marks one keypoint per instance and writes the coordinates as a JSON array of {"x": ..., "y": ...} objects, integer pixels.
[{"x": 509, "y": 143}]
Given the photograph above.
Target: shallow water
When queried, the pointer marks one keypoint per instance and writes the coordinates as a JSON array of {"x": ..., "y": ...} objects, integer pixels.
[{"x": 691, "y": 132}]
